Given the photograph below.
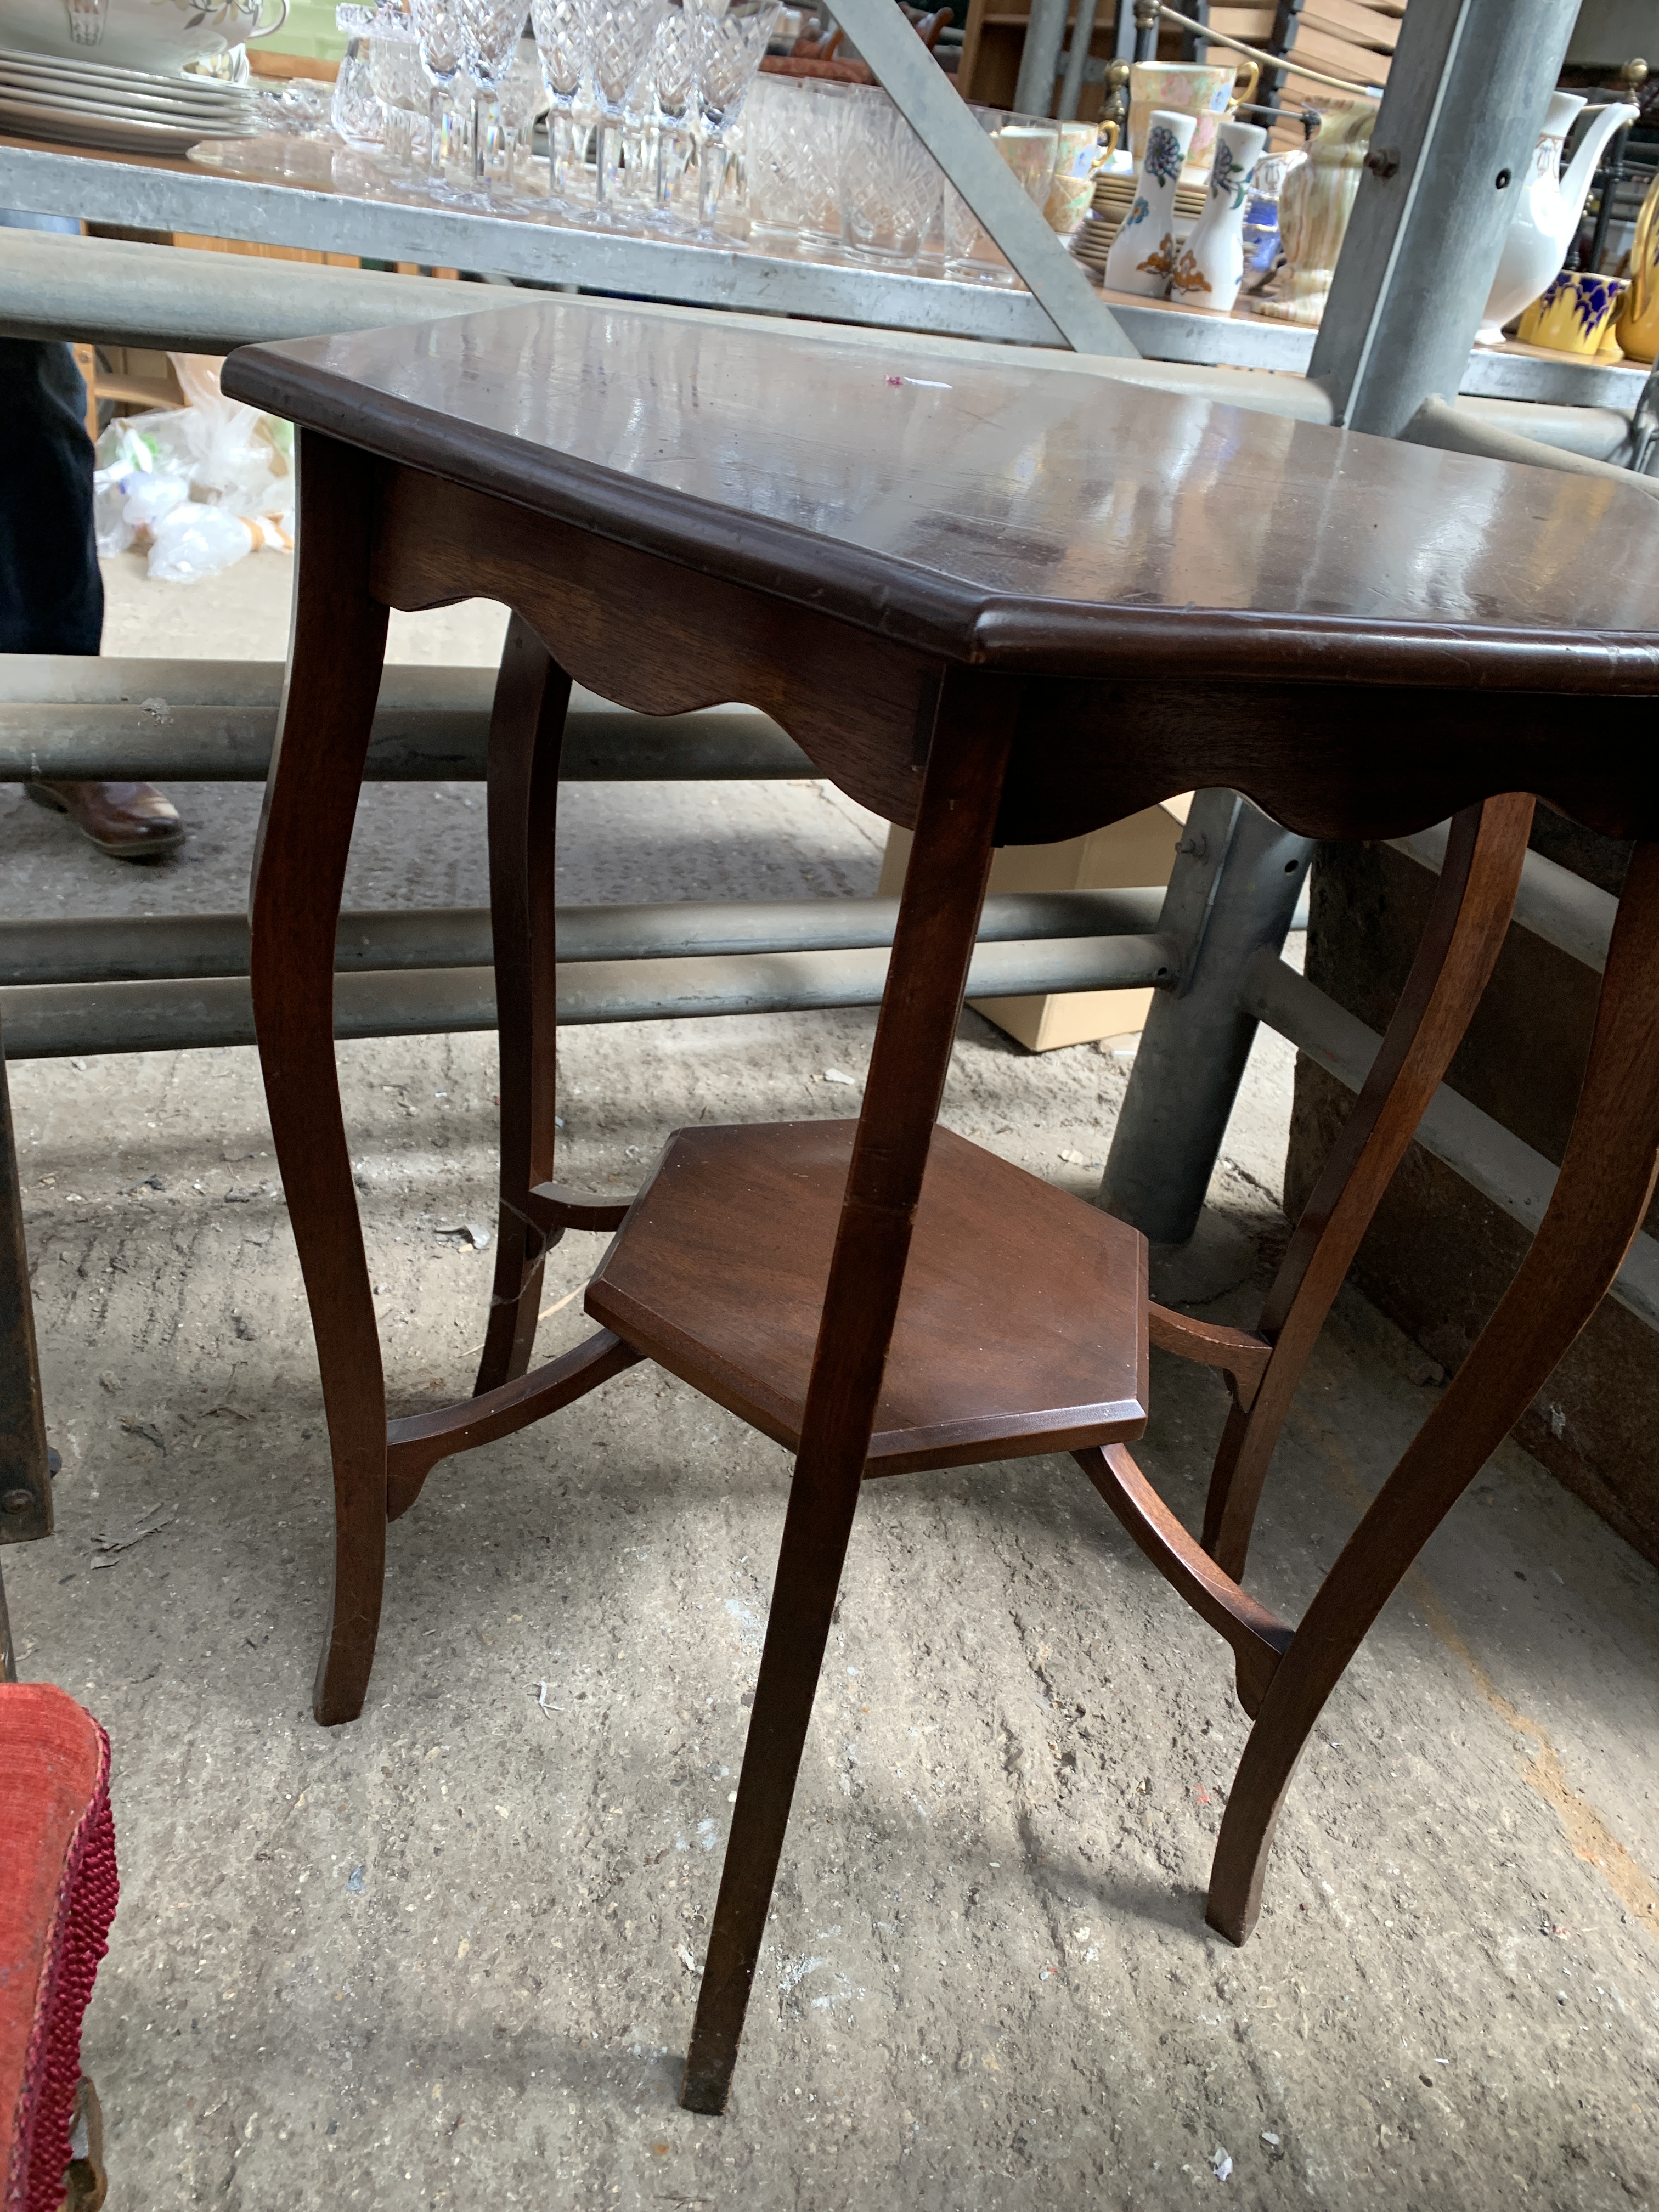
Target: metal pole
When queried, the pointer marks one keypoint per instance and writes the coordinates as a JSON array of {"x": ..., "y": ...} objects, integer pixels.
[
  {"x": 1145, "y": 30},
  {"x": 154, "y": 948},
  {"x": 1233, "y": 891},
  {"x": 1039, "y": 60},
  {"x": 1450, "y": 154},
  {"x": 25, "y": 1476},
  {"x": 1083, "y": 32},
  {"x": 49, "y": 1020},
  {"x": 930, "y": 103}
]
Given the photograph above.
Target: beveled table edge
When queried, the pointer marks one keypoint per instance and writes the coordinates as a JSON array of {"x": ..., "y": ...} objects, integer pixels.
[{"x": 938, "y": 614}]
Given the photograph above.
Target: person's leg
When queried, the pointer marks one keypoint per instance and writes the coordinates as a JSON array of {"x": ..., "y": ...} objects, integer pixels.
[{"x": 52, "y": 596}]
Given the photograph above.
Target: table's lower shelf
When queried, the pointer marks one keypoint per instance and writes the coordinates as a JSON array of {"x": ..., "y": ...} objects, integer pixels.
[{"x": 1022, "y": 1326}]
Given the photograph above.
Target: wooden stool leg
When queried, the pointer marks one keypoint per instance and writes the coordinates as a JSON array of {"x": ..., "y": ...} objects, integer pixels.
[
  {"x": 527, "y": 732},
  {"x": 1602, "y": 1195},
  {"x": 815, "y": 1533},
  {"x": 305, "y": 834}
]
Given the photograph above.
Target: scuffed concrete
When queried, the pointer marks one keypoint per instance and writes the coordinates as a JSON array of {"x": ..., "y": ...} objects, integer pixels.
[{"x": 447, "y": 1955}]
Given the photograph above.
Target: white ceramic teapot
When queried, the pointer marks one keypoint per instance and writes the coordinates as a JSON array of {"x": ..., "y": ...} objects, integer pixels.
[{"x": 1550, "y": 206}]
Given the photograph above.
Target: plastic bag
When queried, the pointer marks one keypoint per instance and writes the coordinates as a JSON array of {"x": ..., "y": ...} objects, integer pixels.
[
  {"x": 215, "y": 456},
  {"x": 195, "y": 540}
]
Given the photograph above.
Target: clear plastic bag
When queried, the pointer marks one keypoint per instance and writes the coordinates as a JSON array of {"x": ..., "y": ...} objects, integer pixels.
[
  {"x": 215, "y": 456},
  {"x": 195, "y": 540}
]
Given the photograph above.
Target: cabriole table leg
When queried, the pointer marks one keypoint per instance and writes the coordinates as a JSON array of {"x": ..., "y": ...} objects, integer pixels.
[{"x": 335, "y": 660}]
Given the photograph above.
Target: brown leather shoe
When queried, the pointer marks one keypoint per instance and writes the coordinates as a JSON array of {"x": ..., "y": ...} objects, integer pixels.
[{"x": 128, "y": 821}]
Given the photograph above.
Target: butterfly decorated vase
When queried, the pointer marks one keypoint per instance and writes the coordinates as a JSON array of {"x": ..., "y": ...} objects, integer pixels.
[
  {"x": 1210, "y": 267},
  {"x": 1143, "y": 254}
]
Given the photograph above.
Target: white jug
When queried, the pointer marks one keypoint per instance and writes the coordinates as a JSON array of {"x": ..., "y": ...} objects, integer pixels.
[{"x": 1548, "y": 216}]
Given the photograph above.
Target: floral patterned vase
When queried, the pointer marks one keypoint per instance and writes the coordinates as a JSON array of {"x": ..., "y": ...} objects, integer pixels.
[
  {"x": 1211, "y": 266},
  {"x": 1143, "y": 253}
]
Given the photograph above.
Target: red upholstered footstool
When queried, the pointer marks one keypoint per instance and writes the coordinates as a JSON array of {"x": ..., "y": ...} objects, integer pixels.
[{"x": 58, "y": 1893}]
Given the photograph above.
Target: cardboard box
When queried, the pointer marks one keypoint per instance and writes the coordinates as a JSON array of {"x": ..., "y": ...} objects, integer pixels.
[{"x": 1140, "y": 849}]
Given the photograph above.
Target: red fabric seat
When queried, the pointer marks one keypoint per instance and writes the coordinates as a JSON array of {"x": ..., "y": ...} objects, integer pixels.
[{"x": 57, "y": 1897}]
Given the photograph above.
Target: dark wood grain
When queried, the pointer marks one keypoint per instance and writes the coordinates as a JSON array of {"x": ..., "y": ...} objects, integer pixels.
[
  {"x": 1602, "y": 1193},
  {"x": 933, "y": 944},
  {"x": 1020, "y": 509},
  {"x": 1011, "y": 610},
  {"x": 416, "y": 1443},
  {"x": 1259, "y": 1639},
  {"x": 328, "y": 693},
  {"x": 1242, "y": 1354},
  {"x": 527, "y": 729},
  {"x": 1468, "y": 922},
  {"x": 720, "y": 1271},
  {"x": 665, "y": 640}
]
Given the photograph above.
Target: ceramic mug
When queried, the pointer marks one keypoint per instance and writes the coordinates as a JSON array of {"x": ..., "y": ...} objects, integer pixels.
[
  {"x": 1083, "y": 153},
  {"x": 1575, "y": 313},
  {"x": 1189, "y": 88},
  {"x": 1638, "y": 329}
]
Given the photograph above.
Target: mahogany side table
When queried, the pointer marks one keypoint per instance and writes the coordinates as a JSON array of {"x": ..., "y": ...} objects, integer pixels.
[{"x": 1006, "y": 610}]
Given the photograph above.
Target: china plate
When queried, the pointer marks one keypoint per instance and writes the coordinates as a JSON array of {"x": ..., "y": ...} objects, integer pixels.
[
  {"x": 120, "y": 134},
  {"x": 135, "y": 107},
  {"x": 91, "y": 76}
]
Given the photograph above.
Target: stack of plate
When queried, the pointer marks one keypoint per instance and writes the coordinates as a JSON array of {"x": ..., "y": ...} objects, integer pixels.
[
  {"x": 1114, "y": 198},
  {"x": 92, "y": 104}
]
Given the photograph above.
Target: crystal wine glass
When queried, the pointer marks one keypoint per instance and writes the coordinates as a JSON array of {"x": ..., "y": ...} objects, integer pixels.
[
  {"x": 439, "y": 31},
  {"x": 395, "y": 73},
  {"x": 674, "y": 74},
  {"x": 619, "y": 35},
  {"x": 521, "y": 97},
  {"x": 355, "y": 110},
  {"x": 490, "y": 39},
  {"x": 731, "y": 36},
  {"x": 561, "y": 28}
]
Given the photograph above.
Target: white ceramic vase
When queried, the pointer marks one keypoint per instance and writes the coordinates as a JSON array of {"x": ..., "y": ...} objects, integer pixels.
[
  {"x": 1143, "y": 253},
  {"x": 1211, "y": 265},
  {"x": 1545, "y": 218}
]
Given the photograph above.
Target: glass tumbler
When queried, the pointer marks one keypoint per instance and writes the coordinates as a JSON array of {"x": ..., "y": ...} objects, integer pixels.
[
  {"x": 817, "y": 166},
  {"x": 1030, "y": 144},
  {"x": 890, "y": 182},
  {"x": 775, "y": 117},
  {"x": 400, "y": 85},
  {"x": 354, "y": 110}
]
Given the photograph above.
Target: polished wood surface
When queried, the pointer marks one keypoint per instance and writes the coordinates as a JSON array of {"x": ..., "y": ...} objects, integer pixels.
[
  {"x": 978, "y": 502},
  {"x": 1011, "y": 609},
  {"x": 718, "y": 1274},
  {"x": 1257, "y": 592}
]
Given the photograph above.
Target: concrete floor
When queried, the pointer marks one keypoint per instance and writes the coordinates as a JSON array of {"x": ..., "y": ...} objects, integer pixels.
[{"x": 448, "y": 1955}]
